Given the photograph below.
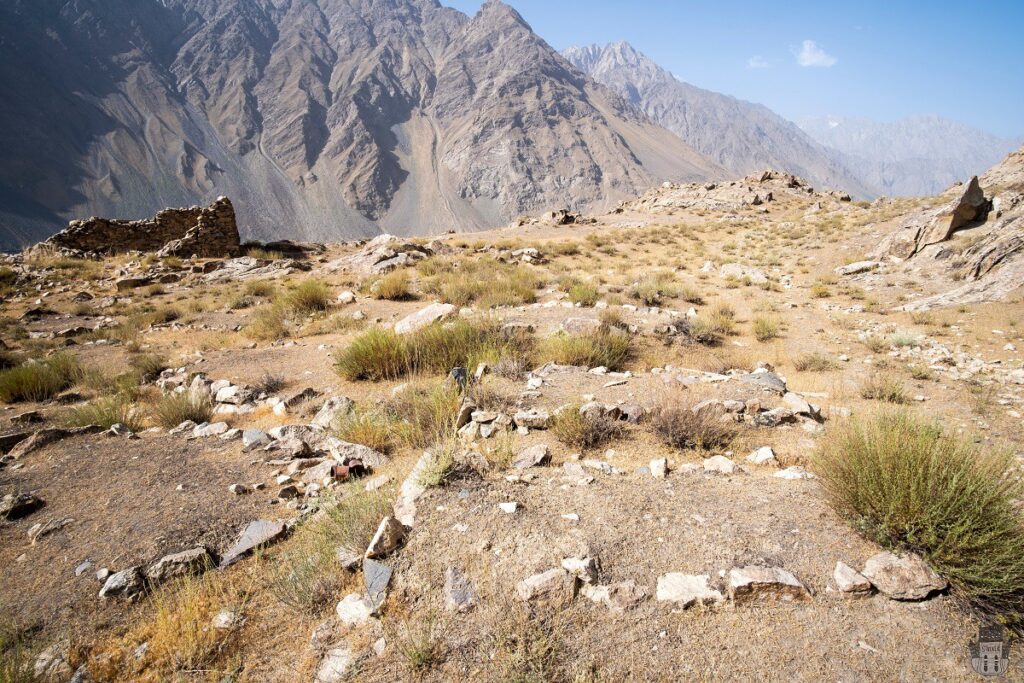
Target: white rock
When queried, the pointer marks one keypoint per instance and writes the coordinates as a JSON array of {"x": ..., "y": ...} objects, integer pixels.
[
  {"x": 762, "y": 456},
  {"x": 764, "y": 584},
  {"x": 508, "y": 508},
  {"x": 719, "y": 464},
  {"x": 686, "y": 589},
  {"x": 794, "y": 472},
  {"x": 659, "y": 468},
  {"x": 849, "y": 580},
  {"x": 335, "y": 665},
  {"x": 424, "y": 317},
  {"x": 354, "y": 610}
]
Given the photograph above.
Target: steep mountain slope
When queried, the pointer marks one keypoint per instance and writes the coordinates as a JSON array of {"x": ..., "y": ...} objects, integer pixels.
[
  {"x": 741, "y": 136},
  {"x": 322, "y": 119},
  {"x": 918, "y": 155}
]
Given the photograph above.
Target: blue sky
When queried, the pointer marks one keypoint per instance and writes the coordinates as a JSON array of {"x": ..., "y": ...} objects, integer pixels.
[{"x": 875, "y": 59}]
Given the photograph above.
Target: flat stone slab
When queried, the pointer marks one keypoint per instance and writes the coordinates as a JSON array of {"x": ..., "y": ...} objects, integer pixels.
[
  {"x": 759, "y": 585},
  {"x": 687, "y": 590},
  {"x": 256, "y": 535}
]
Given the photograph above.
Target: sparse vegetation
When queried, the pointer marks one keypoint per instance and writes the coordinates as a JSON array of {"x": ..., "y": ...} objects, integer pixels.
[
  {"x": 654, "y": 289},
  {"x": 484, "y": 282},
  {"x": 107, "y": 412},
  {"x": 882, "y": 387},
  {"x": 395, "y": 286},
  {"x": 683, "y": 428},
  {"x": 815, "y": 362},
  {"x": 268, "y": 322},
  {"x": 380, "y": 353},
  {"x": 765, "y": 328},
  {"x": 909, "y": 485},
  {"x": 308, "y": 297},
  {"x": 173, "y": 409},
  {"x": 610, "y": 348},
  {"x": 39, "y": 380},
  {"x": 584, "y": 294},
  {"x": 584, "y": 431}
]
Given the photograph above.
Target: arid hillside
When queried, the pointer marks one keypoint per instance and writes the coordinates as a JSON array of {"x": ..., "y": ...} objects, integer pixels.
[{"x": 728, "y": 430}]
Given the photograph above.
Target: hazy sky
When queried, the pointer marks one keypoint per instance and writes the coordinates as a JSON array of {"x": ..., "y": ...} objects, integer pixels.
[{"x": 877, "y": 59}]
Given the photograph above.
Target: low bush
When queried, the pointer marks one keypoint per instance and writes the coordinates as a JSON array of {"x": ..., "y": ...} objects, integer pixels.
[
  {"x": 148, "y": 366},
  {"x": 484, "y": 282},
  {"x": 107, "y": 412},
  {"x": 268, "y": 323},
  {"x": 584, "y": 294},
  {"x": 395, "y": 286},
  {"x": 765, "y": 328},
  {"x": 681, "y": 427},
  {"x": 173, "y": 409},
  {"x": 382, "y": 354},
  {"x": 582, "y": 431},
  {"x": 308, "y": 297},
  {"x": 39, "y": 380},
  {"x": 814, "y": 362},
  {"x": 911, "y": 486},
  {"x": 884, "y": 388},
  {"x": 654, "y": 289}
]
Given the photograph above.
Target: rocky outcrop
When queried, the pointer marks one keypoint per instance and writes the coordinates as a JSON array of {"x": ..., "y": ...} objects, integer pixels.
[
  {"x": 196, "y": 231},
  {"x": 933, "y": 226}
]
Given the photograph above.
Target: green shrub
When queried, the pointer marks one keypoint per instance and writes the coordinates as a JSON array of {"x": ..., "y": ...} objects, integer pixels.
[
  {"x": 148, "y": 366},
  {"x": 424, "y": 413},
  {"x": 485, "y": 282},
  {"x": 173, "y": 409},
  {"x": 611, "y": 348},
  {"x": 39, "y": 381},
  {"x": 655, "y": 289},
  {"x": 584, "y": 294},
  {"x": 368, "y": 428},
  {"x": 908, "y": 485},
  {"x": 308, "y": 297},
  {"x": 309, "y": 578}
]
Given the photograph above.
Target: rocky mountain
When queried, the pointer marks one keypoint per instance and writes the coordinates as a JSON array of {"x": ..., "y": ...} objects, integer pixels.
[
  {"x": 741, "y": 136},
  {"x": 918, "y": 155},
  {"x": 321, "y": 119}
]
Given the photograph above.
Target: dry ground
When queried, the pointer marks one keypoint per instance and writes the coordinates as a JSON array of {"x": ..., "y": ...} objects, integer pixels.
[{"x": 122, "y": 493}]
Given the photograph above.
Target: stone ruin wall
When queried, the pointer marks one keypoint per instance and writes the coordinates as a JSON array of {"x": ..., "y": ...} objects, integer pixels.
[{"x": 209, "y": 232}]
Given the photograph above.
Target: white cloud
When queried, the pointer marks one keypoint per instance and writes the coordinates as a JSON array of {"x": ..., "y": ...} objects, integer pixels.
[
  {"x": 757, "y": 62},
  {"x": 811, "y": 54}
]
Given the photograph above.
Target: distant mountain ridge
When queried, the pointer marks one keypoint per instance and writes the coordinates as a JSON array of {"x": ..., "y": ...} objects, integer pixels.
[
  {"x": 741, "y": 136},
  {"x": 321, "y": 119},
  {"x": 918, "y": 155}
]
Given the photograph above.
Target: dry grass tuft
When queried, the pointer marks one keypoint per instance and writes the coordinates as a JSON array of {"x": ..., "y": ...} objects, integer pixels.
[
  {"x": 582, "y": 431},
  {"x": 682, "y": 428}
]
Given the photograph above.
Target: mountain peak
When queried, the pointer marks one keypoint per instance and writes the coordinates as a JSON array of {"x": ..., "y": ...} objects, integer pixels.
[{"x": 499, "y": 13}]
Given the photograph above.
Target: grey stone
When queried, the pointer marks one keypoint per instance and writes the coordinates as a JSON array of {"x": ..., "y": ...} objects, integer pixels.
[
  {"x": 535, "y": 418},
  {"x": 459, "y": 595},
  {"x": 126, "y": 583},
  {"x": 331, "y": 410},
  {"x": 423, "y": 317},
  {"x": 255, "y": 535},
  {"x": 376, "y": 577},
  {"x": 530, "y": 457},
  {"x": 554, "y": 585},
  {"x": 336, "y": 665},
  {"x": 390, "y": 535},
  {"x": 354, "y": 610},
  {"x": 194, "y": 561},
  {"x": 18, "y": 505}
]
